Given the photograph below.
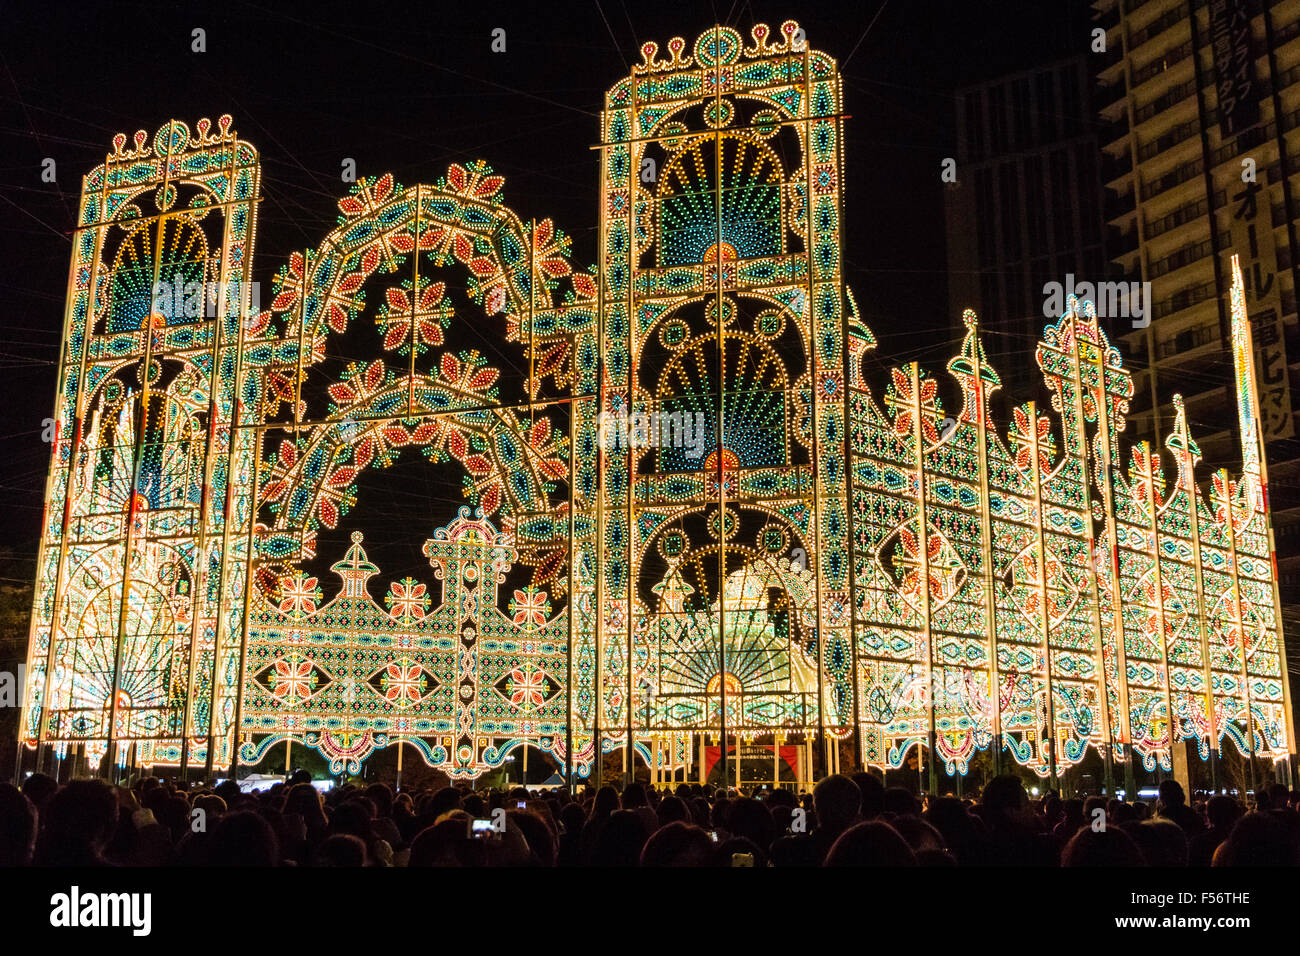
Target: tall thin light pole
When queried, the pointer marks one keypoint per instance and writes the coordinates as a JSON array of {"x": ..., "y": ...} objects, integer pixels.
[
  {"x": 1081, "y": 452},
  {"x": 1105, "y": 479},
  {"x": 1040, "y": 567},
  {"x": 923, "y": 553},
  {"x": 1187, "y": 477},
  {"x": 990, "y": 602},
  {"x": 1253, "y": 451},
  {"x": 721, "y": 411}
]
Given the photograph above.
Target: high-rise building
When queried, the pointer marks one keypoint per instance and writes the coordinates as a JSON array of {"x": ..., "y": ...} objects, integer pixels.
[
  {"x": 1026, "y": 208},
  {"x": 1199, "y": 104}
]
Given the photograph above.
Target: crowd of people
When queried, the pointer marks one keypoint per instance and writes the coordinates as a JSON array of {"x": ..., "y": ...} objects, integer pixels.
[{"x": 846, "y": 820}]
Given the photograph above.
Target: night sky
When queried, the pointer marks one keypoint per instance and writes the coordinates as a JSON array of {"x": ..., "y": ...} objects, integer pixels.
[{"x": 409, "y": 90}]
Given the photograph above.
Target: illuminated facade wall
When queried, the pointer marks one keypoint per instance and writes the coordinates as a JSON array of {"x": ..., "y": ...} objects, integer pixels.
[
  {"x": 134, "y": 630},
  {"x": 693, "y": 516}
]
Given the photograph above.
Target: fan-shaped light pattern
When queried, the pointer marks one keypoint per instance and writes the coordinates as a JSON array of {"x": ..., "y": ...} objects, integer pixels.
[
  {"x": 749, "y": 191},
  {"x": 753, "y": 401},
  {"x": 180, "y": 271}
]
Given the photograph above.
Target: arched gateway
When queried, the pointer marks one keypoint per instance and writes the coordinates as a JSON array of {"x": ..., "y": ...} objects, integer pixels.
[{"x": 687, "y": 516}]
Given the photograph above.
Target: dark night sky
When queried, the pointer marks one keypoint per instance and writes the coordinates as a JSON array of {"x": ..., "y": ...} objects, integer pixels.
[{"x": 409, "y": 90}]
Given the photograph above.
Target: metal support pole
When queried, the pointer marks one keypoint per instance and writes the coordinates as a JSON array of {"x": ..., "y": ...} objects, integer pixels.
[
  {"x": 1040, "y": 558},
  {"x": 923, "y": 549}
]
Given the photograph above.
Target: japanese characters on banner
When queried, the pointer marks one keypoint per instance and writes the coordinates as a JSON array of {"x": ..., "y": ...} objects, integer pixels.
[
  {"x": 757, "y": 761},
  {"x": 1252, "y": 240},
  {"x": 1234, "y": 66}
]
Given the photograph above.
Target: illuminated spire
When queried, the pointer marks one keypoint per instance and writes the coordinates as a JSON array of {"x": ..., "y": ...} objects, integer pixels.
[
  {"x": 1243, "y": 361},
  {"x": 1180, "y": 441},
  {"x": 970, "y": 363}
]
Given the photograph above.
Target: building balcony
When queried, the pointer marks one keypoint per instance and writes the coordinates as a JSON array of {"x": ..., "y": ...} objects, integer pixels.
[
  {"x": 1121, "y": 241},
  {"x": 1114, "y": 168},
  {"x": 1108, "y": 94},
  {"x": 1118, "y": 205}
]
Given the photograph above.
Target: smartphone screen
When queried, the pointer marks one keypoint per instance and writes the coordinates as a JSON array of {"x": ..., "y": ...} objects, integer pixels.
[
  {"x": 481, "y": 829},
  {"x": 522, "y": 804}
]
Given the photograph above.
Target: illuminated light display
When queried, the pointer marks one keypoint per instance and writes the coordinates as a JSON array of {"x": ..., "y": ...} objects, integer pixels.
[{"x": 840, "y": 560}]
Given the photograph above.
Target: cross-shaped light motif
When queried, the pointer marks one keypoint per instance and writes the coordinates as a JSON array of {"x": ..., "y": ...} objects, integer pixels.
[
  {"x": 294, "y": 679},
  {"x": 403, "y": 683},
  {"x": 407, "y": 600},
  {"x": 526, "y": 687},
  {"x": 298, "y": 594},
  {"x": 530, "y": 607},
  {"x": 426, "y": 305}
]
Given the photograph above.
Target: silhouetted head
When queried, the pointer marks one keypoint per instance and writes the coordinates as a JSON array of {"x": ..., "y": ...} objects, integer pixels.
[
  {"x": 243, "y": 838},
  {"x": 901, "y": 802},
  {"x": 677, "y": 844},
  {"x": 77, "y": 823},
  {"x": 1005, "y": 795},
  {"x": 448, "y": 844},
  {"x": 342, "y": 849},
  {"x": 920, "y": 836},
  {"x": 1052, "y": 808},
  {"x": 781, "y": 797},
  {"x": 1108, "y": 847},
  {"x": 873, "y": 794},
  {"x": 541, "y": 843},
  {"x": 448, "y": 798},
  {"x": 739, "y": 851},
  {"x": 1118, "y": 812},
  {"x": 572, "y": 817},
  {"x": 797, "y": 849},
  {"x": 620, "y": 841},
  {"x": 1172, "y": 794},
  {"x": 38, "y": 788},
  {"x": 175, "y": 816},
  {"x": 1262, "y": 838},
  {"x": 1162, "y": 842},
  {"x": 872, "y": 843},
  {"x": 1090, "y": 805},
  {"x": 353, "y": 818},
  {"x": 382, "y": 797},
  {"x": 17, "y": 827},
  {"x": 671, "y": 810},
  {"x": 1222, "y": 811},
  {"x": 305, "y": 800},
  {"x": 1277, "y": 796},
  {"x": 1072, "y": 814},
  {"x": 606, "y": 802},
  {"x": 837, "y": 801},
  {"x": 213, "y": 806},
  {"x": 751, "y": 819},
  {"x": 227, "y": 790}
]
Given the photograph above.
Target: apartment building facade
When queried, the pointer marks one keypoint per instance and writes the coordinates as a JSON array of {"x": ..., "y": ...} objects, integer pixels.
[
  {"x": 1026, "y": 209},
  {"x": 1199, "y": 110}
]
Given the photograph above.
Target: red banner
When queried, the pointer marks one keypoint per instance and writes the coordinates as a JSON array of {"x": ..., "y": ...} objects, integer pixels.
[{"x": 748, "y": 754}]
